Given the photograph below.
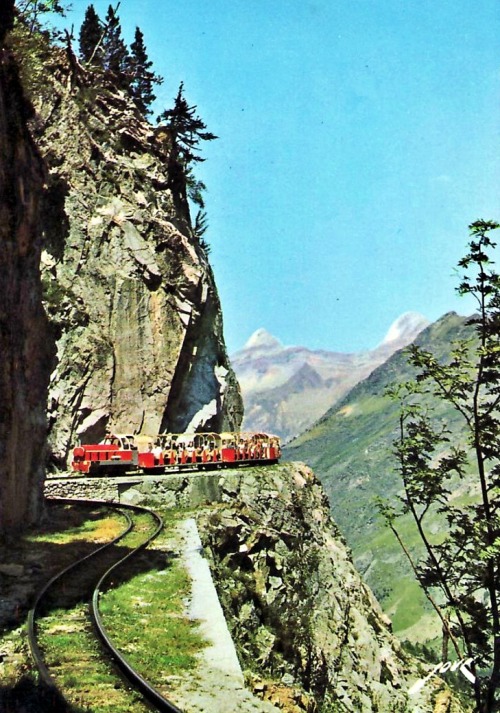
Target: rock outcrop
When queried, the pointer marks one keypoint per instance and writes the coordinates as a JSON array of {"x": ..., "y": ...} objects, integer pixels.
[
  {"x": 128, "y": 286},
  {"x": 25, "y": 346},
  {"x": 309, "y": 631}
]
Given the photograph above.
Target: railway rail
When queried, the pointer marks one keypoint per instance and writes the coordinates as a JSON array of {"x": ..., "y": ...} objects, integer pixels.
[{"x": 134, "y": 678}]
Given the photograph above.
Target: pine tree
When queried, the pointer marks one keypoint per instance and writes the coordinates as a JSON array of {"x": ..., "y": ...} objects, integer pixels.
[
  {"x": 115, "y": 55},
  {"x": 90, "y": 36},
  {"x": 142, "y": 78},
  {"x": 200, "y": 228},
  {"x": 30, "y": 13},
  {"x": 186, "y": 130}
]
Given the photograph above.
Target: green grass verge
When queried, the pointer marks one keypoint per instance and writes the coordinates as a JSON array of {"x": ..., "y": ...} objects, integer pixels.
[{"x": 145, "y": 619}]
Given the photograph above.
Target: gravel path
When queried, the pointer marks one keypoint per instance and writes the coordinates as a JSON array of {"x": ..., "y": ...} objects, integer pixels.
[{"x": 217, "y": 686}]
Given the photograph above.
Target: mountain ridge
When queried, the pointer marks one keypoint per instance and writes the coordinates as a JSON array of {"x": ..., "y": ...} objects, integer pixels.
[{"x": 272, "y": 379}]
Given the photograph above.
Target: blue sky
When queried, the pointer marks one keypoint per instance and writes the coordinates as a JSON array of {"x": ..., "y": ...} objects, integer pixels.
[{"x": 358, "y": 140}]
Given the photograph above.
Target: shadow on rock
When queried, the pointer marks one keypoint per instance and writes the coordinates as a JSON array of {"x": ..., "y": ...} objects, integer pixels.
[{"x": 27, "y": 696}]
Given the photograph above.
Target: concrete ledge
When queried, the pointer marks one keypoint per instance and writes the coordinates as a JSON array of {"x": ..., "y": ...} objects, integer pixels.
[{"x": 219, "y": 682}]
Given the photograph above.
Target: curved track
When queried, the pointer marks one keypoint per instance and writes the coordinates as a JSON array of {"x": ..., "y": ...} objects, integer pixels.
[{"x": 153, "y": 697}]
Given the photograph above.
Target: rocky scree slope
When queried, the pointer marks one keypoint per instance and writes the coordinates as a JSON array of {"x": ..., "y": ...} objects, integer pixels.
[
  {"x": 128, "y": 287},
  {"x": 309, "y": 632}
]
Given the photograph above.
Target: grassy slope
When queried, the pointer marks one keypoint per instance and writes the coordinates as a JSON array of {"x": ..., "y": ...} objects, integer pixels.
[{"x": 350, "y": 449}]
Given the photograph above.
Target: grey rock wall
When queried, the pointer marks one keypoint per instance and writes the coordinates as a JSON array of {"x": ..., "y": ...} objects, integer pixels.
[
  {"x": 129, "y": 289},
  {"x": 26, "y": 350}
]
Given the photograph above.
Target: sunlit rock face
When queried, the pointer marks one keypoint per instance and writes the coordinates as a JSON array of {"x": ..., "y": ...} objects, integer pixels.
[
  {"x": 25, "y": 345},
  {"x": 128, "y": 286}
]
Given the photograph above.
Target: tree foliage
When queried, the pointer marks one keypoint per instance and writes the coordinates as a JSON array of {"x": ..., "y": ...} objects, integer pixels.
[
  {"x": 101, "y": 44},
  {"x": 142, "y": 78},
  {"x": 90, "y": 37},
  {"x": 30, "y": 38},
  {"x": 32, "y": 11},
  {"x": 185, "y": 130},
  {"x": 460, "y": 571},
  {"x": 115, "y": 55}
]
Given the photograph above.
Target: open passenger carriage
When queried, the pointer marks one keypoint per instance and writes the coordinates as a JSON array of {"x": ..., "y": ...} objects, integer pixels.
[{"x": 122, "y": 453}]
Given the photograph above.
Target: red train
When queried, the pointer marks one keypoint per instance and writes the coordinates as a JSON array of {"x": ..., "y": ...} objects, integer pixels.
[{"x": 122, "y": 453}]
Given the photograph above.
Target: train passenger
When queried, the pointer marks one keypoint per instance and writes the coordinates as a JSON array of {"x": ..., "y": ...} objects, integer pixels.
[
  {"x": 172, "y": 454},
  {"x": 197, "y": 454},
  {"x": 214, "y": 452},
  {"x": 210, "y": 453},
  {"x": 157, "y": 452}
]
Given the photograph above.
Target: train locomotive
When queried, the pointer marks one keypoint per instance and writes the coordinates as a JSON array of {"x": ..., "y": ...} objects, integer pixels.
[{"x": 119, "y": 454}]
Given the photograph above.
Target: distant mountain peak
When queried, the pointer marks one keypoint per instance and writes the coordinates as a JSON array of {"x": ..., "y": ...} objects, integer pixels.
[
  {"x": 262, "y": 340},
  {"x": 285, "y": 389},
  {"x": 408, "y": 325}
]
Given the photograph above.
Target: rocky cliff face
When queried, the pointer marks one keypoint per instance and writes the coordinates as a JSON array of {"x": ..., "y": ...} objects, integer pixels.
[
  {"x": 128, "y": 287},
  {"x": 309, "y": 631},
  {"x": 25, "y": 346}
]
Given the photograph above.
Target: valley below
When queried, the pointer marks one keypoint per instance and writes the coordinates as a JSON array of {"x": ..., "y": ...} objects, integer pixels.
[{"x": 351, "y": 449}]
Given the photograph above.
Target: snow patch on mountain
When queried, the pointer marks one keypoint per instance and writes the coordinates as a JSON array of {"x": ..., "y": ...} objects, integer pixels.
[
  {"x": 261, "y": 340},
  {"x": 285, "y": 389},
  {"x": 408, "y": 324}
]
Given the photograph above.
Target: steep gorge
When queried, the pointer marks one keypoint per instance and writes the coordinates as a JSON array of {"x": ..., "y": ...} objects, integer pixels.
[
  {"x": 96, "y": 236},
  {"x": 135, "y": 316}
]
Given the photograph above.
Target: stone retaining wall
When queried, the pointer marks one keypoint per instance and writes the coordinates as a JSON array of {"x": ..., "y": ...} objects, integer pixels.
[{"x": 179, "y": 490}]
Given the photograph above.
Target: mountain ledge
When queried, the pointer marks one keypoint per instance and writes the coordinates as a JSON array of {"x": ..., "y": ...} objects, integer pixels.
[{"x": 309, "y": 632}]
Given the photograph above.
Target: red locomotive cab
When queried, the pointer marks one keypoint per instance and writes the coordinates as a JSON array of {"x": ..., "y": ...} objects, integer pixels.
[
  {"x": 79, "y": 464},
  {"x": 115, "y": 454}
]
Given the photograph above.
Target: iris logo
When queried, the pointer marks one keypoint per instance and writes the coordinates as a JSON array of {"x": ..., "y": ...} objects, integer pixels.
[{"x": 440, "y": 668}]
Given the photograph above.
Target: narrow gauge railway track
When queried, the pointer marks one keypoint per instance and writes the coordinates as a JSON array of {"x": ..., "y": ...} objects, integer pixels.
[{"x": 150, "y": 694}]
